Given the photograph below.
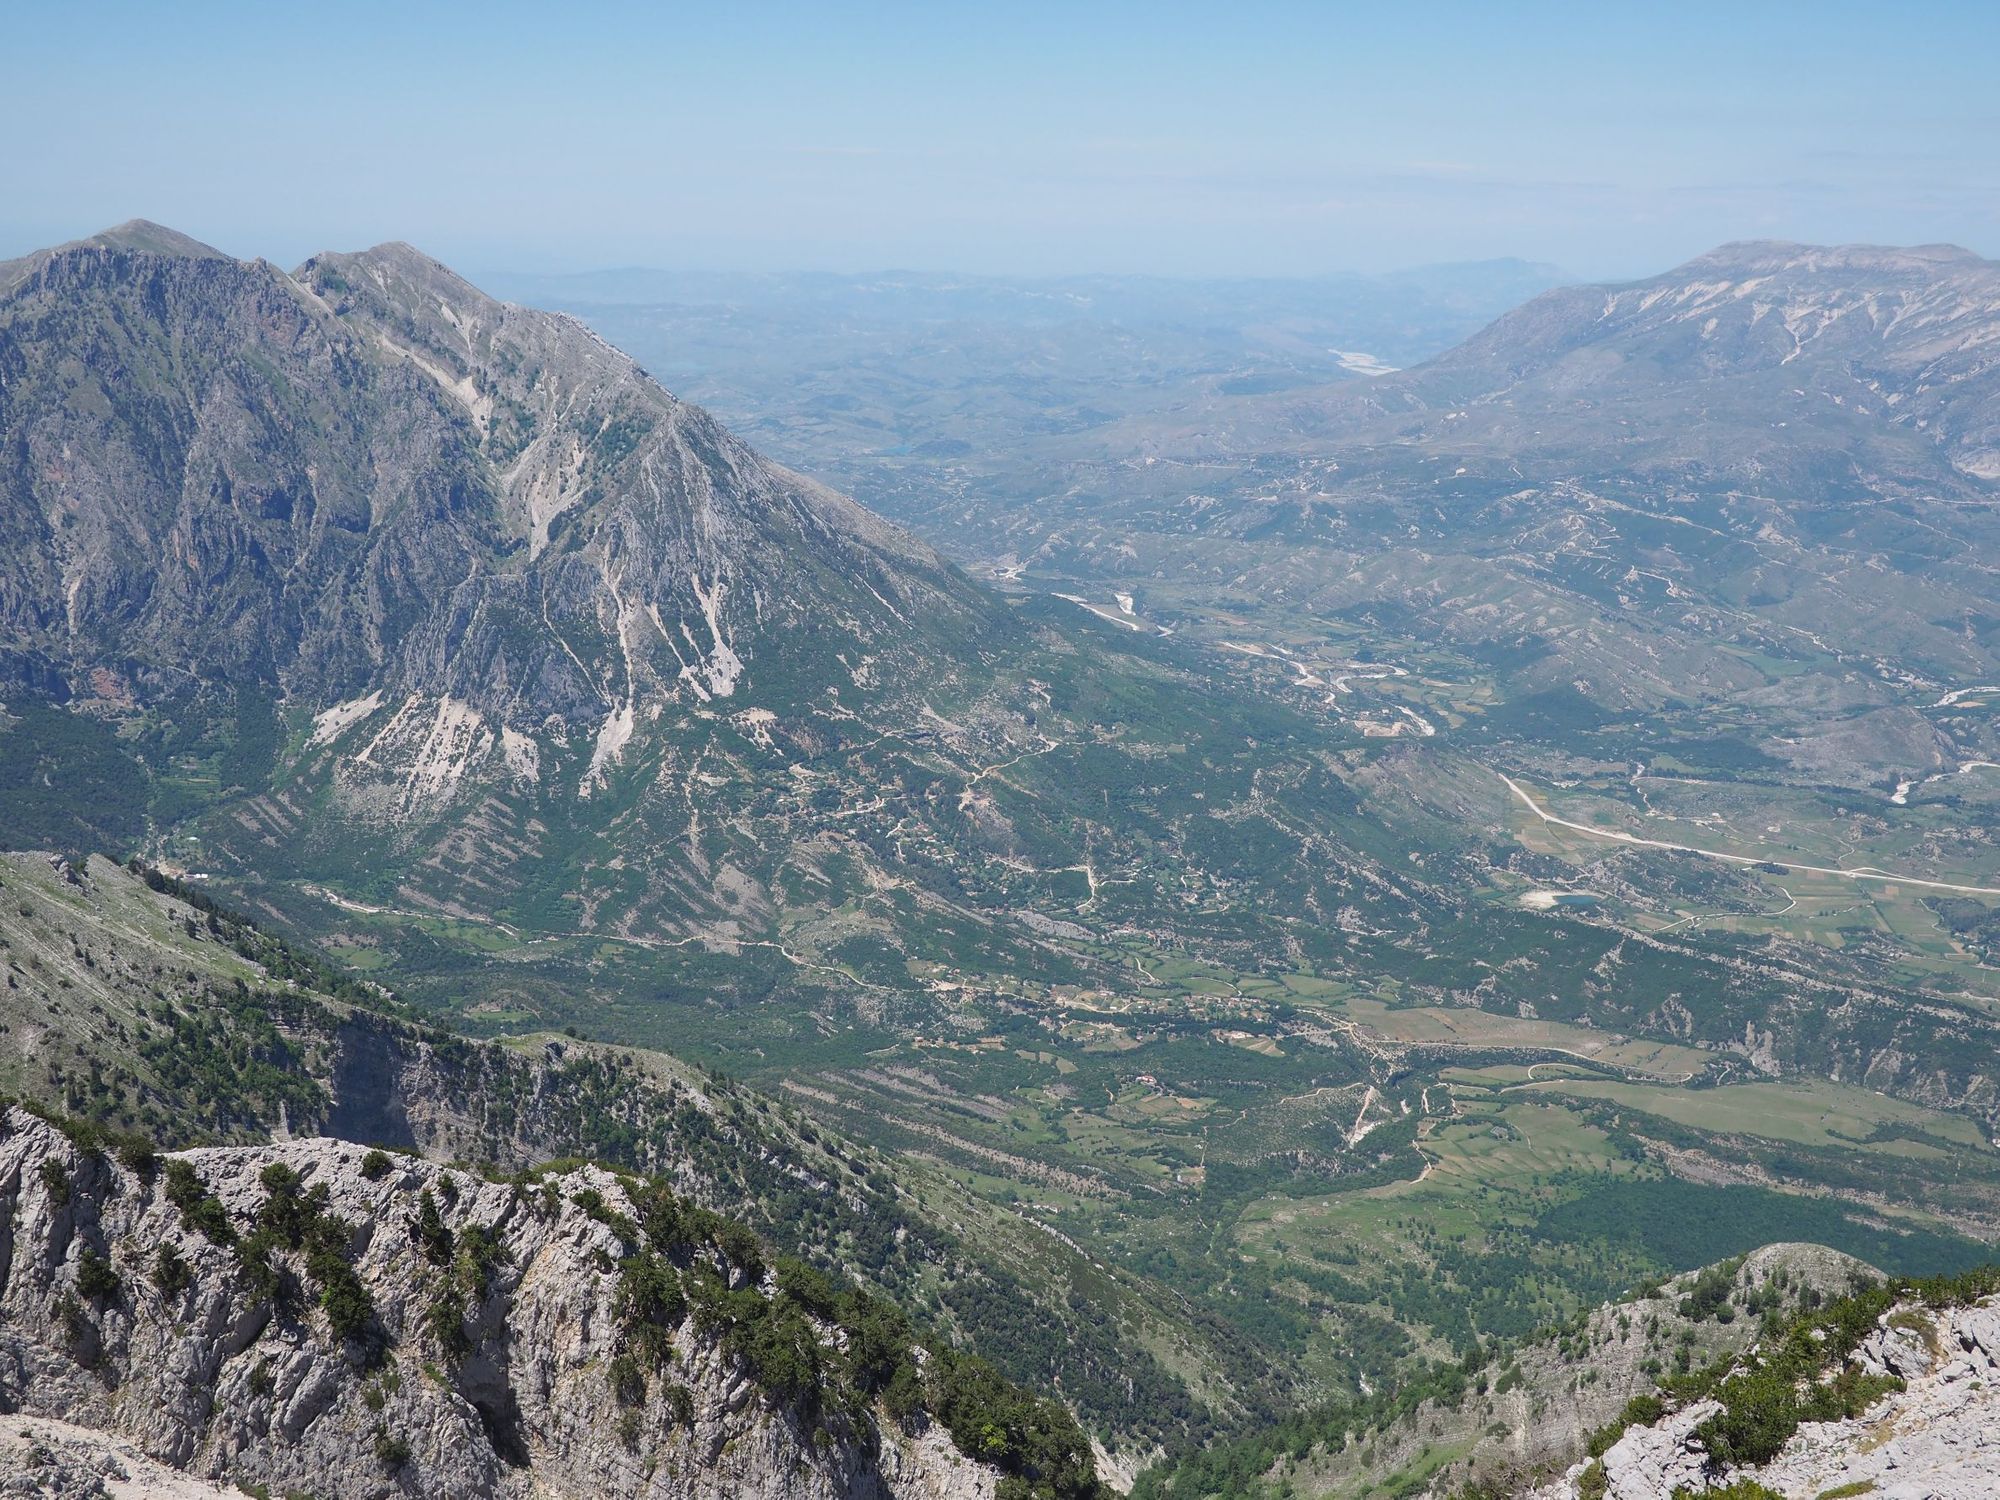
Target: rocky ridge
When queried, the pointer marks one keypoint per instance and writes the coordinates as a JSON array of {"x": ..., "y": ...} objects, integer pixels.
[{"x": 542, "y": 1374}]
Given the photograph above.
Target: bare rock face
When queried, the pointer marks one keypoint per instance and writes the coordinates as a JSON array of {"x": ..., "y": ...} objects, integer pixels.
[
  {"x": 370, "y": 476},
  {"x": 1658, "y": 1460},
  {"x": 1936, "y": 1439},
  {"x": 50, "y": 1460},
  {"x": 453, "y": 577},
  {"x": 435, "y": 1334}
]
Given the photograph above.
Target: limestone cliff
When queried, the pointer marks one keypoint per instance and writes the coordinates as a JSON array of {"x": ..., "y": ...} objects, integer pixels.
[{"x": 315, "y": 1318}]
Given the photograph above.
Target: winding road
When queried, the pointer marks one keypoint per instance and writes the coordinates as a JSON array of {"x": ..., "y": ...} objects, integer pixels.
[{"x": 1618, "y": 836}]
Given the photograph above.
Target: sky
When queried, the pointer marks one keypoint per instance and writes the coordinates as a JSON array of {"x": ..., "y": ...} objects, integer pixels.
[{"x": 1238, "y": 137}]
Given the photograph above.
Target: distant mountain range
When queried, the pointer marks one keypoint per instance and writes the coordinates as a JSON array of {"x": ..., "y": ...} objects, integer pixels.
[
  {"x": 1765, "y": 446},
  {"x": 1759, "y": 363}
]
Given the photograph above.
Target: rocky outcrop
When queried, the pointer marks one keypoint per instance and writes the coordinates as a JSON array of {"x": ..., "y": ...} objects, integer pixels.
[
  {"x": 1938, "y": 1438},
  {"x": 391, "y": 1327},
  {"x": 49, "y": 1460},
  {"x": 122, "y": 1003},
  {"x": 1534, "y": 1414}
]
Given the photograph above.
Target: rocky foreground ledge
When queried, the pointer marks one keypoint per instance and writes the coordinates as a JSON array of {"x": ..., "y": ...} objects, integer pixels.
[
  {"x": 319, "y": 1318},
  {"x": 1922, "y": 1388},
  {"x": 43, "y": 1459}
]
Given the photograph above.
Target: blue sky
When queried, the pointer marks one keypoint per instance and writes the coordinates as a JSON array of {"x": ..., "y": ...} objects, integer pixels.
[{"x": 1227, "y": 138}]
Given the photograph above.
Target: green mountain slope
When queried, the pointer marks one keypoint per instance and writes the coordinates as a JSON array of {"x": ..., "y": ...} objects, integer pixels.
[{"x": 127, "y": 1005}]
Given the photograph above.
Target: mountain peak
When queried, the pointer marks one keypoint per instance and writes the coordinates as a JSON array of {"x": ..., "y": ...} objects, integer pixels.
[
  {"x": 134, "y": 236},
  {"x": 404, "y": 262},
  {"x": 419, "y": 287},
  {"x": 614, "y": 552},
  {"x": 148, "y": 238}
]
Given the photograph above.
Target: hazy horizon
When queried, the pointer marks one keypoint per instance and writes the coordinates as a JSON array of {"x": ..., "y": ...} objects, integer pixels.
[
  {"x": 583, "y": 271},
  {"x": 699, "y": 270},
  {"x": 1278, "y": 140}
]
